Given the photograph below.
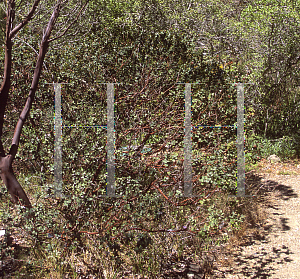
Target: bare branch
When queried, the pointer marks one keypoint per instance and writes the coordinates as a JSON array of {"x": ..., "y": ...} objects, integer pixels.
[
  {"x": 35, "y": 52},
  {"x": 68, "y": 17},
  {"x": 20, "y": 3},
  {"x": 70, "y": 23},
  {"x": 6, "y": 82},
  {"x": 26, "y": 20},
  {"x": 37, "y": 72}
]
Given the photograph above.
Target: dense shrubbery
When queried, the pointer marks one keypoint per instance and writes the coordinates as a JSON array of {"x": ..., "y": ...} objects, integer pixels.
[
  {"x": 150, "y": 220},
  {"x": 149, "y": 65}
]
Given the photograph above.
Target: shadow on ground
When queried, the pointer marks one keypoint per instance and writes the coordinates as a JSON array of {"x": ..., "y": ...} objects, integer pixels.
[{"x": 259, "y": 264}]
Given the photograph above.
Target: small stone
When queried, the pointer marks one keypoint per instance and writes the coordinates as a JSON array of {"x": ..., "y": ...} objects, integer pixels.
[{"x": 273, "y": 159}]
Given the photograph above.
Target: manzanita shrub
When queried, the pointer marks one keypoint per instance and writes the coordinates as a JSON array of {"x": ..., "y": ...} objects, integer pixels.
[{"x": 149, "y": 111}]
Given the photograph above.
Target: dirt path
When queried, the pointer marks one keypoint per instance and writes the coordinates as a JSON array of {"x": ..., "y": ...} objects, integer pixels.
[{"x": 273, "y": 250}]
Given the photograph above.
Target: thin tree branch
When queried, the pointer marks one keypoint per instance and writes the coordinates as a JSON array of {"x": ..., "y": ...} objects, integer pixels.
[
  {"x": 37, "y": 72},
  {"x": 6, "y": 82},
  {"x": 26, "y": 20},
  {"x": 70, "y": 23},
  {"x": 35, "y": 52}
]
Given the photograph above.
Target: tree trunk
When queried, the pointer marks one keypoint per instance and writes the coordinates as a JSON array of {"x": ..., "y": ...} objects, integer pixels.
[{"x": 13, "y": 186}]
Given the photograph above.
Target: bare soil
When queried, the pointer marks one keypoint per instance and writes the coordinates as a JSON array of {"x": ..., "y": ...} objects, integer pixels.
[{"x": 269, "y": 244}]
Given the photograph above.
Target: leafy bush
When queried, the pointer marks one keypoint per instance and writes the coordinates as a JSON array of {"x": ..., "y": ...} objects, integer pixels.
[{"x": 257, "y": 147}]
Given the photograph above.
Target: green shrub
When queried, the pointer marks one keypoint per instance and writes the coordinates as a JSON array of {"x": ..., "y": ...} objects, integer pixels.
[{"x": 257, "y": 147}]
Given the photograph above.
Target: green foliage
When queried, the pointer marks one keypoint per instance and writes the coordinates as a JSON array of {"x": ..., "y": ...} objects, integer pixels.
[
  {"x": 258, "y": 147},
  {"x": 149, "y": 58},
  {"x": 273, "y": 66},
  {"x": 235, "y": 220}
]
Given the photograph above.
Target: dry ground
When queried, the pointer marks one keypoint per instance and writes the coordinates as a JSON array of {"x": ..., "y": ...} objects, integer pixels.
[{"x": 268, "y": 246}]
